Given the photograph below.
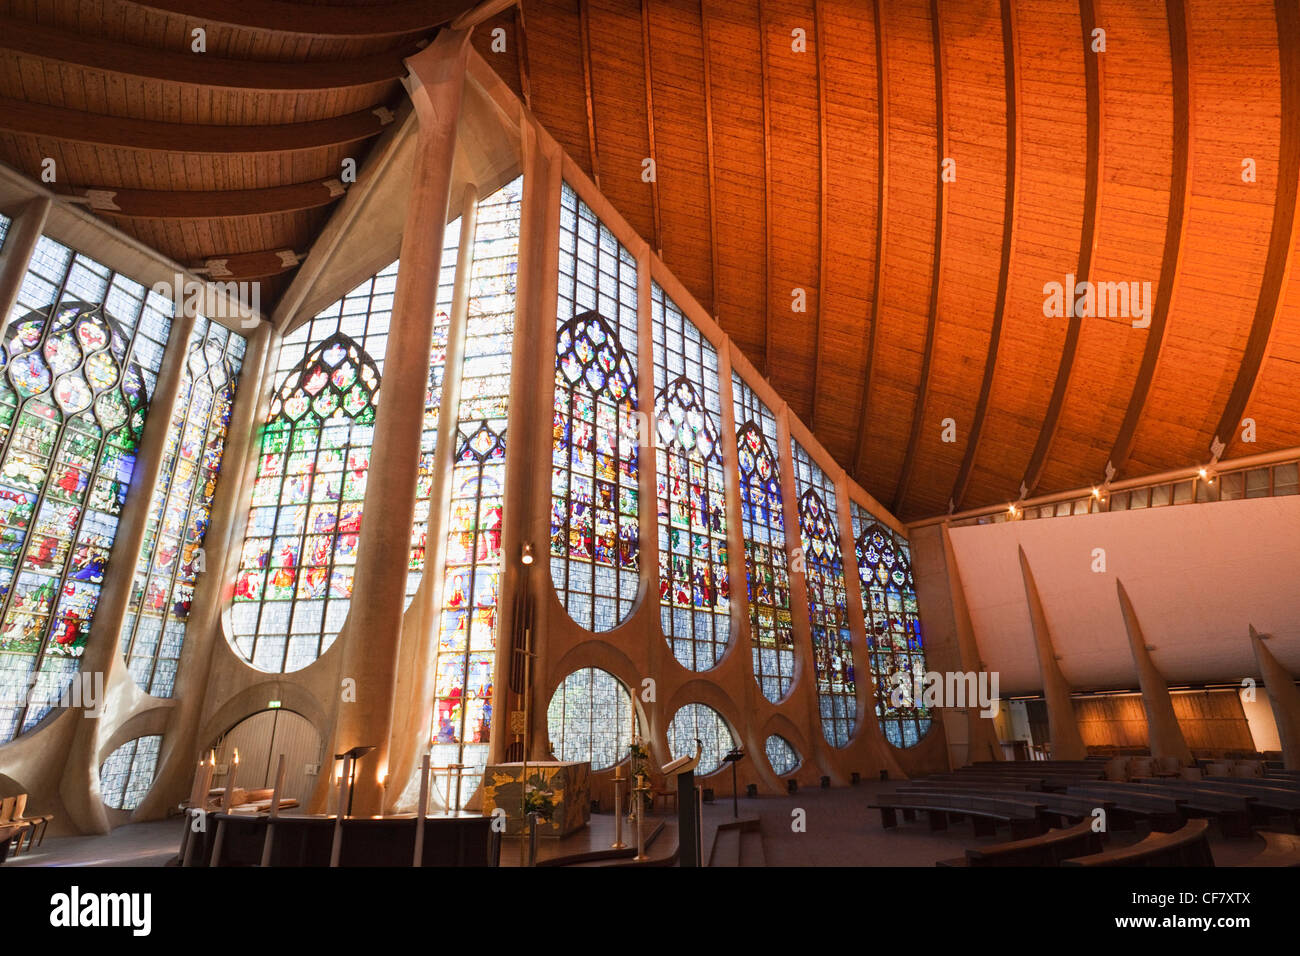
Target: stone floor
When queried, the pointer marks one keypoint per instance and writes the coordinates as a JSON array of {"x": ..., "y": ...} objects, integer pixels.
[{"x": 839, "y": 830}]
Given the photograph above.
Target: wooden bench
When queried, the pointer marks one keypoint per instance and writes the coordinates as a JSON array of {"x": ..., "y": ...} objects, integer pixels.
[
  {"x": 1264, "y": 802},
  {"x": 1162, "y": 811},
  {"x": 1056, "y": 809},
  {"x": 8, "y": 835},
  {"x": 1188, "y": 846},
  {"x": 985, "y": 812},
  {"x": 1233, "y": 812},
  {"x": 1048, "y": 849},
  {"x": 1282, "y": 849}
]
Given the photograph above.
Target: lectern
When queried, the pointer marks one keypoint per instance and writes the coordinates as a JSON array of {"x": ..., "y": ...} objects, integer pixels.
[
  {"x": 733, "y": 757},
  {"x": 688, "y": 824}
]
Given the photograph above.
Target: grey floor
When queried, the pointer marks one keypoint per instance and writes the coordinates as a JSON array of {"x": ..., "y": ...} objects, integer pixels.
[{"x": 839, "y": 830}]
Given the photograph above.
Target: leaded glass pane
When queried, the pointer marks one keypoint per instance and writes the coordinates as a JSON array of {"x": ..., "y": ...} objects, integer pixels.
[
  {"x": 827, "y": 604},
  {"x": 300, "y": 549},
  {"x": 595, "y": 544},
  {"x": 781, "y": 755},
  {"x": 590, "y": 718},
  {"x": 126, "y": 776},
  {"x": 80, "y": 360}
]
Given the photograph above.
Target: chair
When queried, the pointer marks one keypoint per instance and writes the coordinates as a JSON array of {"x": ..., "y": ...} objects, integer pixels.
[
  {"x": 1139, "y": 767},
  {"x": 41, "y": 819},
  {"x": 1192, "y": 773},
  {"x": 7, "y": 820},
  {"x": 1169, "y": 767},
  {"x": 1248, "y": 768},
  {"x": 1218, "y": 769}
]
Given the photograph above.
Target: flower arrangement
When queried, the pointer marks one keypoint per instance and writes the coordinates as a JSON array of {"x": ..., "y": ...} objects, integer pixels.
[{"x": 539, "y": 801}]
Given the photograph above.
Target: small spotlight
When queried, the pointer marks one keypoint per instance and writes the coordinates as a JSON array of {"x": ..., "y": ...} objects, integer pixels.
[
  {"x": 1201, "y": 472},
  {"x": 1096, "y": 492},
  {"x": 527, "y": 556}
]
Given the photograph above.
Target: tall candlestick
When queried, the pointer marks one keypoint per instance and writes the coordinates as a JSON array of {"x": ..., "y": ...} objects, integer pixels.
[
  {"x": 336, "y": 848},
  {"x": 421, "y": 810},
  {"x": 227, "y": 799},
  {"x": 275, "y": 812}
]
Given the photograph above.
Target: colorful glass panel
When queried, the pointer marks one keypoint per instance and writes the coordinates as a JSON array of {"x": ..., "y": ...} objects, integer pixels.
[
  {"x": 294, "y": 583},
  {"x": 767, "y": 575},
  {"x": 893, "y": 629},
  {"x": 828, "y": 615},
  {"x": 595, "y": 543},
  {"x": 153, "y": 630},
  {"x": 694, "y": 583},
  {"x": 467, "y": 636},
  {"x": 80, "y": 361},
  {"x": 432, "y": 408}
]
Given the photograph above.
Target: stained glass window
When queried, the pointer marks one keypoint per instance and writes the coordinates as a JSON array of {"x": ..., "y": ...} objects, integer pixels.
[
  {"x": 294, "y": 583},
  {"x": 781, "y": 755},
  {"x": 767, "y": 575},
  {"x": 432, "y": 405},
  {"x": 163, "y": 589},
  {"x": 595, "y": 544},
  {"x": 4, "y": 229},
  {"x": 467, "y": 636},
  {"x": 126, "y": 776},
  {"x": 893, "y": 628},
  {"x": 827, "y": 605},
  {"x": 590, "y": 718},
  {"x": 699, "y": 722},
  {"x": 694, "y": 584},
  {"x": 80, "y": 360}
]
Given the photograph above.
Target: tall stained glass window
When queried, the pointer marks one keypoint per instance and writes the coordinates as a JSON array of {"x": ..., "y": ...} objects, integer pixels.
[
  {"x": 893, "y": 628},
  {"x": 694, "y": 584},
  {"x": 80, "y": 361},
  {"x": 700, "y": 722},
  {"x": 595, "y": 544},
  {"x": 767, "y": 575},
  {"x": 154, "y": 627},
  {"x": 126, "y": 776},
  {"x": 432, "y": 404},
  {"x": 827, "y": 605},
  {"x": 294, "y": 583},
  {"x": 590, "y": 718},
  {"x": 467, "y": 630}
]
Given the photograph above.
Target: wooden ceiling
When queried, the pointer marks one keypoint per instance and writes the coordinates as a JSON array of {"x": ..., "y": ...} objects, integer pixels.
[
  {"x": 228, "y": 159},
  {"x": 780, "y": 169},
  {"x": 820, "y": 170}
]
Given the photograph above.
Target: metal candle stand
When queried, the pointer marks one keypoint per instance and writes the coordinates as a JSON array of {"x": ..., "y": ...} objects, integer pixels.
[
  {"x": 618, "y": 843},
  {"x": 641, "y": 788}
]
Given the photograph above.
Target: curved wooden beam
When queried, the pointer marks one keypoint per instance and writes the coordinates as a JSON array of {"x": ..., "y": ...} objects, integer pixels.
[
  {"x": 767, "y": 192},
  {"x": 279, "y": 16},
  {"x": 211, "y": 204},
  {"x": 1008, "y": 243},
  {"x": 127, "y": 59},
  {"x": 74, "y": 126},
  {"x": 713, "y": 175},
  {"x": 584, "y": 29},
  {"x": 650, "y": 124},
  {"x": 247, "y": 265},
  {"x": 940, "y": 216},
  {"x": 1282, "y": 236},
  {"x": 1087, "y": 247},
  {"x": 1180, "y": 196},
  {"x": 882, "y": 215},
  {"x": 819, "y": 40}
]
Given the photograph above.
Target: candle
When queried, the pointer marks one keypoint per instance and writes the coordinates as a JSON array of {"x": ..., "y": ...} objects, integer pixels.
[
  {"x": 421, "y": 810},
  {"x": 194, "y": 787},
  {"x": 275, "y": 812}
]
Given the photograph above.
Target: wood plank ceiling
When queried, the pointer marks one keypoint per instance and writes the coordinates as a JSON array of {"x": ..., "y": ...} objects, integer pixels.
[
  {"x": 226, "y": 159},
  {"x": 798, "y": 145}
]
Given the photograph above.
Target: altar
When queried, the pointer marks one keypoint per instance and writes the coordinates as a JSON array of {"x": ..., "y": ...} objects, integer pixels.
[{"x": 567, "y": 784}]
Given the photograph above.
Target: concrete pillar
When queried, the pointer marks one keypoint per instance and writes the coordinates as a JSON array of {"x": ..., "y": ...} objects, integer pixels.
[
  {"x": 203, "y": 632},
  {"x": 1283, "y": 695},
  {"x": 372, "y": 634},
  {"x": 1067, "y": 742},
  {"x": 20, "y": 242},
  {"x": 1163, "y": 733},
  {"x": 982, "y": 735}
]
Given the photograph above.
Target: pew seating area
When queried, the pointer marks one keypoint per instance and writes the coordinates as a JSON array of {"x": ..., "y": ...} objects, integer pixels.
[
  {"x": 16, "y": 823},
  {"x": 1177, "y": 812}
]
